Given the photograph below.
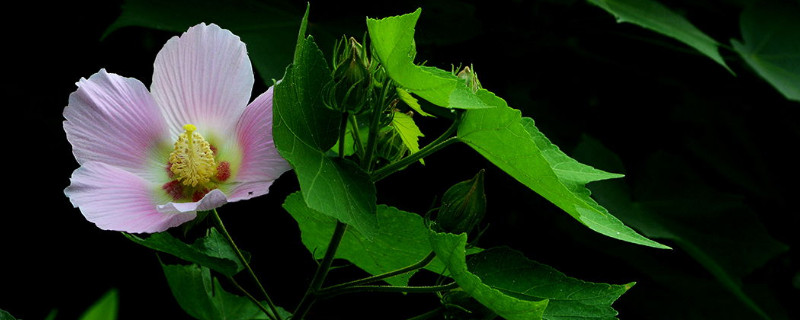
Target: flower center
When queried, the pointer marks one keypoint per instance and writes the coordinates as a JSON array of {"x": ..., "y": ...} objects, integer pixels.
[{"x": 192, "y": 160}]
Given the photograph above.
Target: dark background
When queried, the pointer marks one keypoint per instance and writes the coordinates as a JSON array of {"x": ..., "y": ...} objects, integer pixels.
[{"x": 567, "y": 64}]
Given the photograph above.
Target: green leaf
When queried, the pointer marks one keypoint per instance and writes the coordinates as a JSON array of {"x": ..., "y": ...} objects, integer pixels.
[
  {"x": 305, "y": 130},
  {"x": 393, "y": 42},
  {"x": 650, "y": 14},
  {"x": 408, "y": 131},
  {"x": 512, "y": 273},
  {"x": 450, "y": 248},
  {"x": 772, "y": 44},
  {"x": 104, "y": 309},
  {"x": 212, "y": 251},
  {"x": 401, "y": 239},
  {"x": 202, "y": 296},
  {"x": 412, "y": 102},
  {"x": 716, "y": 229},
  {"x": 514, "y": 145},
  {"x": 267, "y": 31},
  {"x": 6, "y": 316}
]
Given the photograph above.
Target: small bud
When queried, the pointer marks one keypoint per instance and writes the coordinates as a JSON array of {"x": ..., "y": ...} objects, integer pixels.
[
  {"x": 470, "y": 78},
  {"x": 351, "y": 78},
  {"x": 463, "y": 206}
]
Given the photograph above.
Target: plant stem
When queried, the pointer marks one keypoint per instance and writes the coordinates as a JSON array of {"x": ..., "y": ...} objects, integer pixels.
[
  {"x": 397, "y": 166},
  {"x": 357, "y": 136},
  {"x": 398, "y": 289},
  {"x": 419, "y": 265},
  {"x": 322, "y": 272},
  {"x": 251, "y": 297},
  {"x": 246, "y": 265},
  {"x": 442, "y": 141}
]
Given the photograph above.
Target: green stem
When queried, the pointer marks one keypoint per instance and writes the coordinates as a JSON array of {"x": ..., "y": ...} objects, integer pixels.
[
  {"x": 419, "y": 265},
  {"x": 357, "y": 136},
  {"x": 246, "y": 265},
  {"x": 398, "y": 289},
  {"x": 322, "y": 272},
  {"x": 422, "y": 153},
  {"x": 252, "y": 298},
  {"x": 445, "y": 139}
]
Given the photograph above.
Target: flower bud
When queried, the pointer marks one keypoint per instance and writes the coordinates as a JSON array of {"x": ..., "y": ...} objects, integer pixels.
[
  {"x": 463, "y": 206},
  {"x": 470, "y": 78},
  {"x": 349, "y": 91}
]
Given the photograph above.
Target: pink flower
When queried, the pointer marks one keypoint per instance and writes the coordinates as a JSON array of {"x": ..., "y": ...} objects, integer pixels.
[{"x": 150, "y": 160}]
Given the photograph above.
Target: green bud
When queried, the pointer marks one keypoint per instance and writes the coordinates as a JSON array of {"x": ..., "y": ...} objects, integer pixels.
[
  {"x": 470, "y": 78},
  {"x": 463, "y": 206},
  {"x": 350, "y": 89}
]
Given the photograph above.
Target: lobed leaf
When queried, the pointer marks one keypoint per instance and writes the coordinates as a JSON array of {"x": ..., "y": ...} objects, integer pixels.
[
  {"x": 304, "y": 130},
  {"x": 212, "y": 251},
  {"x": 650, "y": 14},
  {"x": 393, "y": 43},
  {"x": 772, "y": 44},
  {"x": 514, "y": 145},
  {"x": 202, "y": 296},
  {"x": 401, "y": 239},
  {"x": 450, "y": 248}
]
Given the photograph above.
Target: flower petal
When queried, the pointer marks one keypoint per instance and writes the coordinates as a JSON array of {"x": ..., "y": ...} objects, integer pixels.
[
  {"x": 260, "y": 159},
  {"x": 115, "y": 199},
  {"x": 204, "y": 78},
  {"x": 114, "y": 120},
  {"x": 213, "y": 199}
]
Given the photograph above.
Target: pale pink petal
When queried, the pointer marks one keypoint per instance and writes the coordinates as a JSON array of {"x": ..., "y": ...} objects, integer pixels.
[
  {"x": 214, "y": 199},
  {"x": 115, "y": 199},
  {"x": 247, "y": 190},
  {"x": 114, "y": 120},
  {"x": 204, "y": 78},
  {"x": 260, "y": 159}
]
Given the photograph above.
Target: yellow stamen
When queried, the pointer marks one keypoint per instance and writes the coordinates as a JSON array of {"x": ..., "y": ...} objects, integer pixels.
[{"x": 192, "y": 160}]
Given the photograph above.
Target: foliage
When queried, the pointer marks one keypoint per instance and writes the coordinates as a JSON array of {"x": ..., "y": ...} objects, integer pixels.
[{"x": 339, "y": 155}]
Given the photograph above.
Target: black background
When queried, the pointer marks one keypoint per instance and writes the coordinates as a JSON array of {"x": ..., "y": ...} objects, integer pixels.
[{"x": 567, "y": 64}]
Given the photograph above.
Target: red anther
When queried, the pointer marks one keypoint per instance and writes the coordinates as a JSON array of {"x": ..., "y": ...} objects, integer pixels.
[
  {"x": 174, "y": 189},
  {"x": 223, "y": 171},
  {"x": 170, "y": 174},
  {"x": 213, "y": 149},
  {"x": 197, "y": 195}
]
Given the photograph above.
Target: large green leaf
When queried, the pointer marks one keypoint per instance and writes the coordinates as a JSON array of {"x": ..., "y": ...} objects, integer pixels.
[
  {"x": 268, "y": 32},
  {"x": 401, "y": 239},
  {"x": 772, "y": 44},
  {"x": 512, "y": 273},
  {"x": 104, "y": 309},
  {"x": 514, "y": 144},
  {"x": 652, "y": 15},
  {"x": 393, "y": 42},
  {"x": 305, "y": 129},
  {"x": 450, "y": 248},
  {"x": 202, "y": 296},
  {"x": 716, "y": 229},
  {"x": 212, "y": 251}
]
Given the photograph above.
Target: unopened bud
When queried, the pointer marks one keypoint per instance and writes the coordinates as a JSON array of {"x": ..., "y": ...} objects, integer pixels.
[
  {"x": 463, "y": 206},
  {"x": 351, "y": 78}
]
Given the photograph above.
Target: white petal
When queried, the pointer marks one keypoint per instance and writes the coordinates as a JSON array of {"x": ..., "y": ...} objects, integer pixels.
[
  {"x": 115, "y": 199},
  {"x": 204, "y": 78},
  {"x": 114, "y": 120}
]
